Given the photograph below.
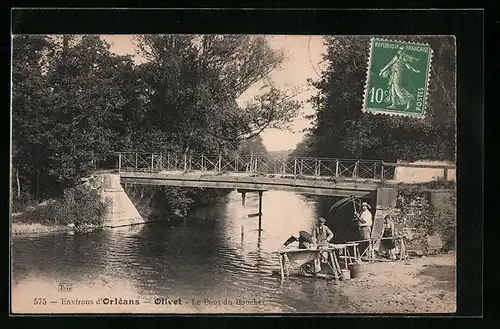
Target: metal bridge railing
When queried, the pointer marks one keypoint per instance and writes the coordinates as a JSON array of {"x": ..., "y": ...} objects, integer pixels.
[
  {"x": 264, "y": 165},
  {"x": 255, "y": 164}
]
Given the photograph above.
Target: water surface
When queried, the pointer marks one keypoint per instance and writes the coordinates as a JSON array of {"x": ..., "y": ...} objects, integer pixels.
[{"x": 217, "y": 264}]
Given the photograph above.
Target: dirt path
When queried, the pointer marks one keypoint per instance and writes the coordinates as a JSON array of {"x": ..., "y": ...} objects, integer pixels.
[{"x": 420, "y": 285}]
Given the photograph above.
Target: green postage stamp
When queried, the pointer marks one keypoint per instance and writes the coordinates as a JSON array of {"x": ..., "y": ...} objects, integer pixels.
[{"x": 397, "y": 79}]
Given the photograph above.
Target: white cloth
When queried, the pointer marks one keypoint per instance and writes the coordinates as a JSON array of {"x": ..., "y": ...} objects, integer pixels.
[{"x": 365, "y": 219}]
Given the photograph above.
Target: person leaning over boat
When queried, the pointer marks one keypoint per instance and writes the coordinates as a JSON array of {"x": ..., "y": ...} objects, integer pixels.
[
  {"x": 306, "y": 240},
  {"x": 364, "y": 219}
]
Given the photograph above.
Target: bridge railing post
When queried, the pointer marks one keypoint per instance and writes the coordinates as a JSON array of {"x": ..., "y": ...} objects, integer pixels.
[
  {"x": 135, "y": 160},
  {"x": 152, "y": 162},
  {"x": 336, "y": 167},
  {"x": 294, "y": 167},
  {"x": 382, "y": 172},
  {"x": 119, "y": 162}
]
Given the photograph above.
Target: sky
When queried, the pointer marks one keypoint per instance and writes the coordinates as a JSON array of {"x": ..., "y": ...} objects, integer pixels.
[{"x": 304, "y": 61}]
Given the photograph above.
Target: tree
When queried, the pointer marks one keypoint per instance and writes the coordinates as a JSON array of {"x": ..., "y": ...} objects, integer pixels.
[
  {"x": 192, "y": 84},
  {"x": 29, "y": 98},
  {"x": 252, "y": 146},
  {"x": 88, "y": 101},
  {"x": 73, "y": 101},
  {"x": 304, "y": 147},
  {"x": 271, "y": 109},
  {"x": 340, "y": 129}
]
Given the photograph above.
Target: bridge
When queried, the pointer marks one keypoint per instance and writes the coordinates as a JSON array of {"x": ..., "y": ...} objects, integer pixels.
[
  {"x": 258, "y": 173},
  {"x": 320, "y": 176}
]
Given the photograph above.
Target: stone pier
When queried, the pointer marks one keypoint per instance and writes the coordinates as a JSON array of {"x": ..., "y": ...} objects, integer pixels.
[{"x": 122, "y": 211}]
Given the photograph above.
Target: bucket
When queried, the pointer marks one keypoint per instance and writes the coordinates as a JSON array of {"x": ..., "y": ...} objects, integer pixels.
[
  {"x": 357, "y": 270},
  {"x": 346, "y": 274}
]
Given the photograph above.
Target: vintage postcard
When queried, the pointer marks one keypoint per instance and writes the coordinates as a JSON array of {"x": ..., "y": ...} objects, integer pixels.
[{"x": 202, "y": 173}]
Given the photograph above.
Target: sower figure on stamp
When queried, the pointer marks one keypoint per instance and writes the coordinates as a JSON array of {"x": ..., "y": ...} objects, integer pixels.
[
  {"x": 398, "y": 95},
  {"x": 364, "y": 220}
]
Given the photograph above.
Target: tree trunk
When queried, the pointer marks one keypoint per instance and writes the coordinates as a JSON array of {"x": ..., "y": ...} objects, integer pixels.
[
  {"x": 37, "y": 176},
  {"x": 18, "y": 184}
]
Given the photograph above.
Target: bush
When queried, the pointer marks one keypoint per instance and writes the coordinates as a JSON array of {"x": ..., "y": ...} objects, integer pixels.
[
  {"x": 427, "y": 213},
  {"x": 80, "y": 205}
]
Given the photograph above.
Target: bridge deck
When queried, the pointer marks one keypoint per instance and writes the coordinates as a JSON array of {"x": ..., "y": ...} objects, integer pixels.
[{"x": 304, "y": 185}]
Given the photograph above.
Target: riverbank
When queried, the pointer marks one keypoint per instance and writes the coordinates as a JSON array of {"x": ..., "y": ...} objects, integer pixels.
[
  {"x": 420, "y": 285},
  {"x": 39, "y": 229},
  {"x": 36, "y": 228}
]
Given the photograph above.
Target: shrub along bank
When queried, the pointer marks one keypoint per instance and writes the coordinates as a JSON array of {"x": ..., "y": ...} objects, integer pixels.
[
  {"x": 83, "y": 208},
  {"x": 80, "y": 207},
  {"x": 427, "y": 212}
]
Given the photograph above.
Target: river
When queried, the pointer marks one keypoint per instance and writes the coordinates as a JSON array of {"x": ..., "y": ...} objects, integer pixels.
[{"x": 206, "y": 268}]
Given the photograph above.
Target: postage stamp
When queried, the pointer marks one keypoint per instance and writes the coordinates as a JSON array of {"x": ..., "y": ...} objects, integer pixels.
[{"x": 397, "y": 78}]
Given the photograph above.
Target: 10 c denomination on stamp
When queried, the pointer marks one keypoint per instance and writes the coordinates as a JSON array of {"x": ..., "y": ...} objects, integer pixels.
[{"x": 397, "y": 78}]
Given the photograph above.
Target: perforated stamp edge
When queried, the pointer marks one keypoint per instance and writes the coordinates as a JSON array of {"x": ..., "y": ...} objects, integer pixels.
[{"x": 367, "y": 80}]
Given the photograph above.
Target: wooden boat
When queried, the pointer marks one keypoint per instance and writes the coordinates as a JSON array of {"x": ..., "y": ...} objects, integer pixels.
[{"x": 300, "y": 262}]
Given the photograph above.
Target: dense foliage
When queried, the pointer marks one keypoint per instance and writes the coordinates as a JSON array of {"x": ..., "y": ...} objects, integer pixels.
[
  {"x": 427, "y": 213},
  {"x": 340, "y": 129},
  {"x": 80, "y": 205},
  {"x": 75, "y": 102}
]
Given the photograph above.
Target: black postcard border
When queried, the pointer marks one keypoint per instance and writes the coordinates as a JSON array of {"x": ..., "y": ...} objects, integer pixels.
[{"x": 466, "y": 25}]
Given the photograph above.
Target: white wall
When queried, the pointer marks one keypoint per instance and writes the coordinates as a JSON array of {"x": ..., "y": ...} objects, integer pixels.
[{"x": 419, "y": 175}]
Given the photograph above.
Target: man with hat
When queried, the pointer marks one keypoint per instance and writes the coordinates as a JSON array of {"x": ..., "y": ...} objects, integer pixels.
[
  {"x": 364, "y": 219},
  {"x": 321, "y": 233}
]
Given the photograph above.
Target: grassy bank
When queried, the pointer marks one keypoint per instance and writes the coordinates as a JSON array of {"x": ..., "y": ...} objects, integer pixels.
[
  {"x": 35, "y": 228},
  {"x": 80, "y": 208}
]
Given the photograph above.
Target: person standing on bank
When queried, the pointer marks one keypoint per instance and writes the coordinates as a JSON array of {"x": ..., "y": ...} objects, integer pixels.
[
  {"x": 321, "y": 235},
  {"x": 389, "y": 232},
  {"x": 364, "y": 219}
]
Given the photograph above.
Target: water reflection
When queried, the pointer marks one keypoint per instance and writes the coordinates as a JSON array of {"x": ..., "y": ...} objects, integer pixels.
[{"x": 219, "y": 256}]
